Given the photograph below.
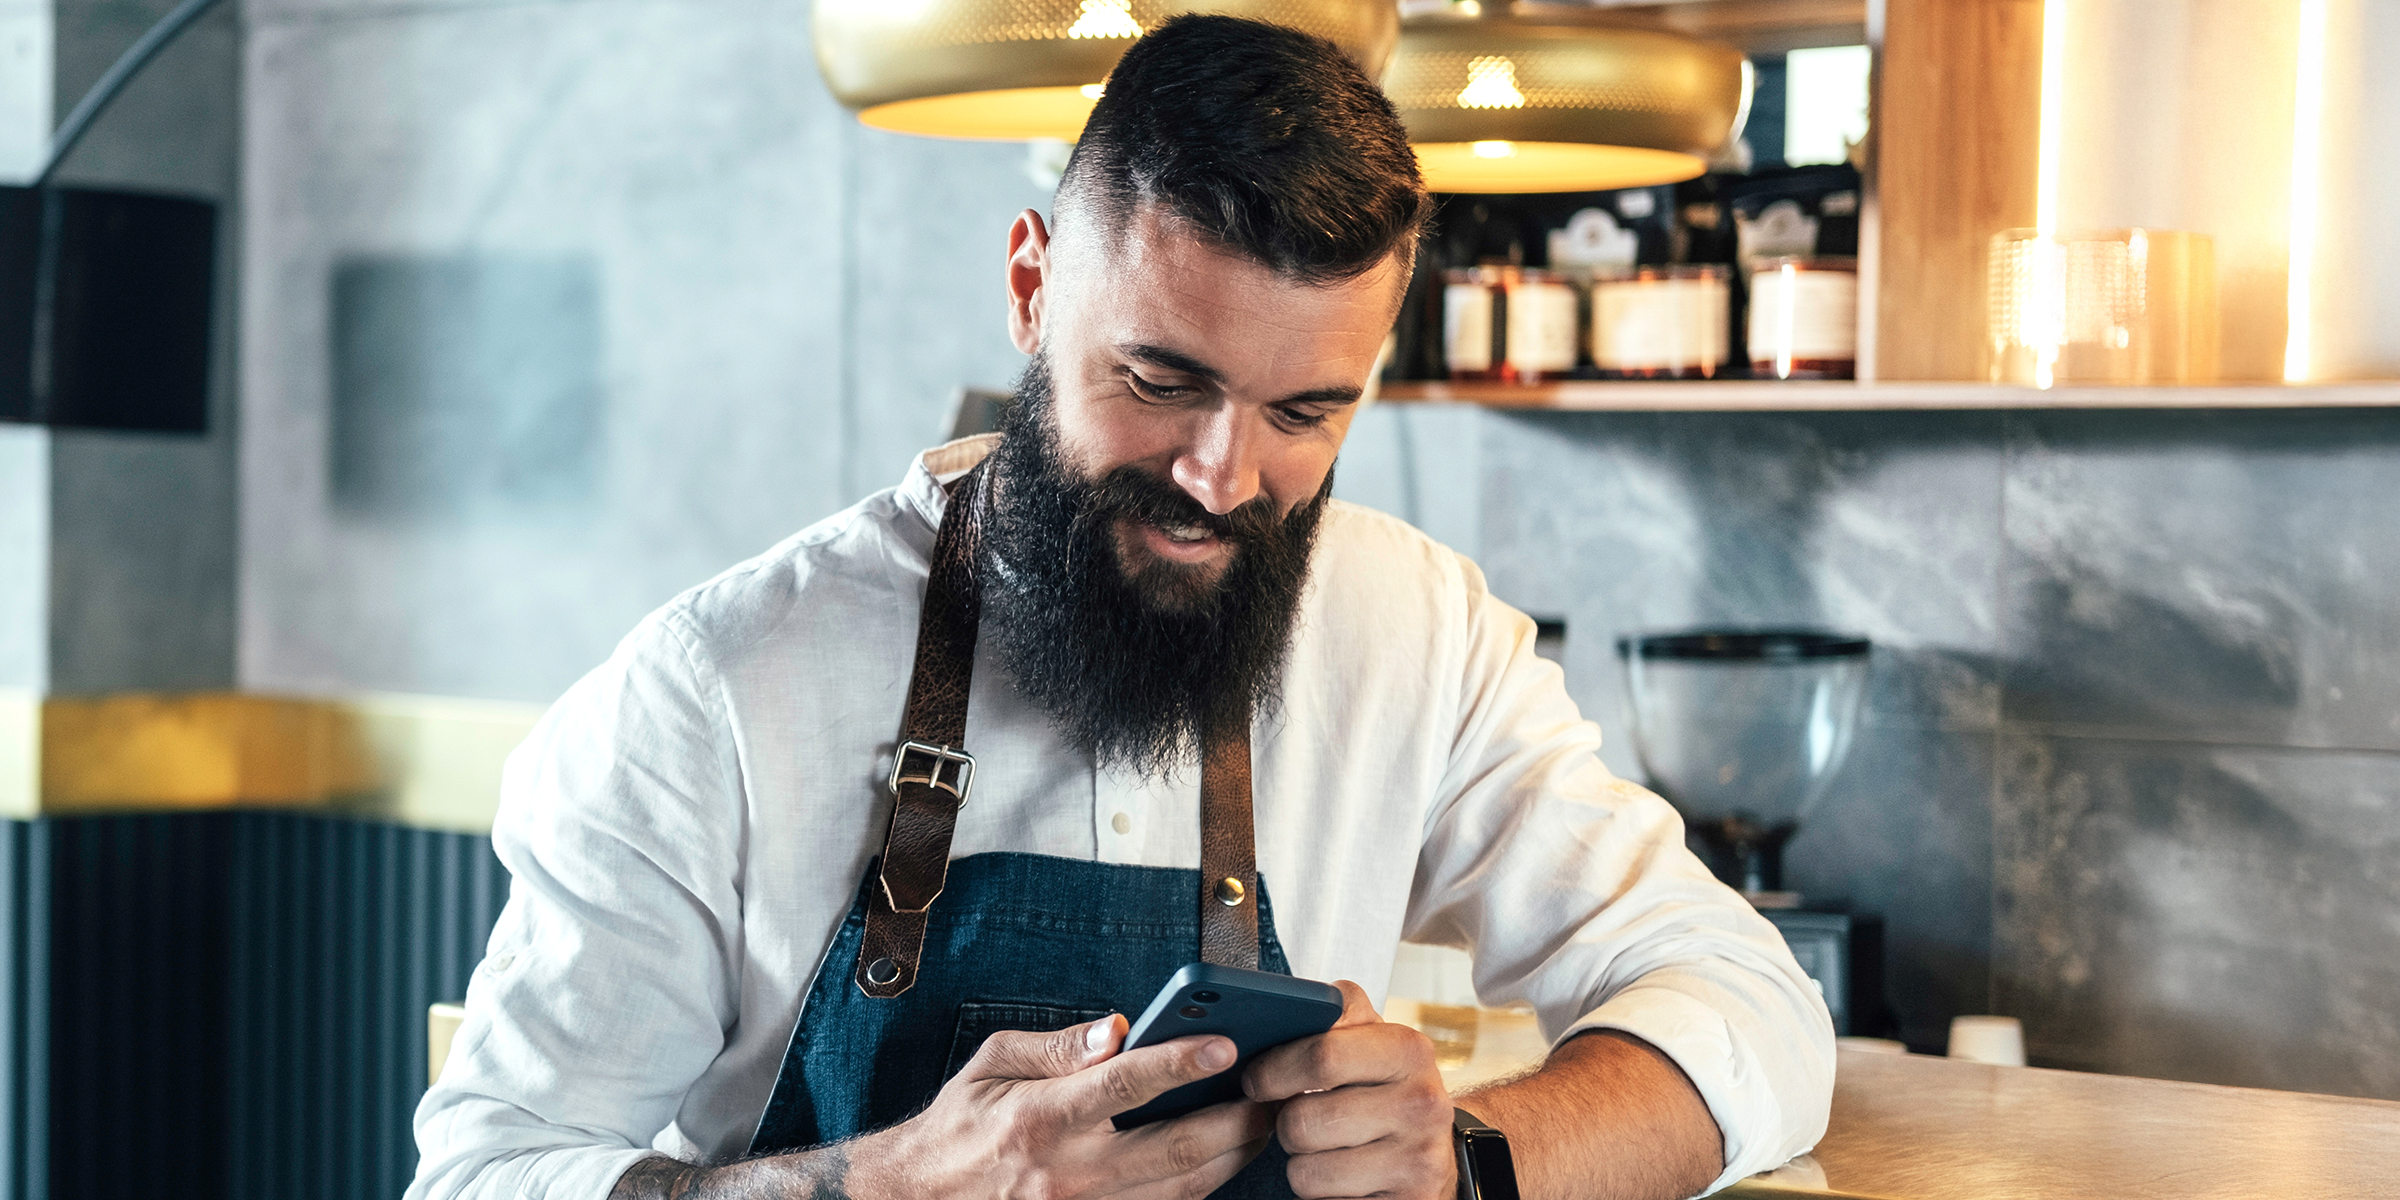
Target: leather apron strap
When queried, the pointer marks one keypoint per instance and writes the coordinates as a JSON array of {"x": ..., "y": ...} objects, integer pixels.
[
  {"x": 932, "y": 776},
  {"x": 1228, "y": 852}
]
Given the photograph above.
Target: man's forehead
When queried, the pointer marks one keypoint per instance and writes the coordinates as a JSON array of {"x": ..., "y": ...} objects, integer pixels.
[{"x": 1153, "y": 267}]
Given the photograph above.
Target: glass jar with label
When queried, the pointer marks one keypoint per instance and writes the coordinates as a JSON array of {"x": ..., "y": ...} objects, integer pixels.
[
  {"x": 1472, "y": 302},
  {"x": 1804, "y": 318},
  {"x": 1661, "y": 322},
  {"x": 1509, "y": 324}
]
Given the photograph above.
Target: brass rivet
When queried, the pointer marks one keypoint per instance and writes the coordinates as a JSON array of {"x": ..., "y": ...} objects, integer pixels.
[
  {"x": 1230, "y": 892},
  {"x": 882, "y": 971}
]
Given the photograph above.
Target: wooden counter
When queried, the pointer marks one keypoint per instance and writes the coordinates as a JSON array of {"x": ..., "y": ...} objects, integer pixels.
[{"x": 1919, "y": 1128}]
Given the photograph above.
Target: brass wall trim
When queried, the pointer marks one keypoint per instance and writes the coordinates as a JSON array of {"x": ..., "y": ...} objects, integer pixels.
[{"x": 422, "y": 761}]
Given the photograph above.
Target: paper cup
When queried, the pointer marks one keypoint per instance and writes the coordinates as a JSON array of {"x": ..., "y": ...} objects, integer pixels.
[{"x": 1996, "y": 1040}]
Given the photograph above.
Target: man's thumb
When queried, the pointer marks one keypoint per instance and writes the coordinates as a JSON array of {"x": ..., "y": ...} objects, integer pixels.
[{"x": 1014, "y": 1055}]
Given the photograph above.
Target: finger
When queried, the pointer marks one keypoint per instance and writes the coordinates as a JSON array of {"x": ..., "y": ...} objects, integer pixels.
[
  {"x": 1356, "y": 1008},
  {"x": 1010, "y": 1054},
  {"x": 1374, "y": 1170},
  {"x": 1180, "y": 1146},
  {"x": 1136, "y": 1077},
  {"x": 1357, "y": 1116},
  {"x": 1210, "y": 1176},
  {"x": 1341, "y": 1057}
]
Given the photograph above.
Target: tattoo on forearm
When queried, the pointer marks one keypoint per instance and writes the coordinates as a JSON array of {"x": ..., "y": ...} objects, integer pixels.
[
  {"x": 818, "y": 1174},
  {"x": 655, "y": 1179}
]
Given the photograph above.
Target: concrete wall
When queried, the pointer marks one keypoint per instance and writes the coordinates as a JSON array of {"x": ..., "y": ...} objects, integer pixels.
[{"x": 558, "y": 308}]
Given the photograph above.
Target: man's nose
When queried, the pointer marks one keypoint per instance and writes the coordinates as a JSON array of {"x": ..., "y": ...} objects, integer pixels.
[{"x": 1220, "y": 466}]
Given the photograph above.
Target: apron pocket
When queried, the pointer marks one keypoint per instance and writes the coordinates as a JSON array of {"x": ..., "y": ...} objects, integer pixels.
[{"x": 980, "y": 1019}]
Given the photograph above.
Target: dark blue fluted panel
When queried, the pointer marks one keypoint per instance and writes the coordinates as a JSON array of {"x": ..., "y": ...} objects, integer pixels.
[
  {"x": 343, "y": 932},
  {"x": 137, "y": 1020},
  {"x": 24, "y": 1010},
  {"x": 225, "y": 1004}
]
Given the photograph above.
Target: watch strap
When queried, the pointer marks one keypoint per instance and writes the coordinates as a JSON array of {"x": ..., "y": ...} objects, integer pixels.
[{"x": 1486, "y": 1170}]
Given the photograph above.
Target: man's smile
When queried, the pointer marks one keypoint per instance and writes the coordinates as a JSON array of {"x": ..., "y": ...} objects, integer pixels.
[{"x": 1192, "y": 544}]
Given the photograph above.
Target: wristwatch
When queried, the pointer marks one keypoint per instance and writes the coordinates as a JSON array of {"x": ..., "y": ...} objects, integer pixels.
[{"x": 1485, "y": 1171}]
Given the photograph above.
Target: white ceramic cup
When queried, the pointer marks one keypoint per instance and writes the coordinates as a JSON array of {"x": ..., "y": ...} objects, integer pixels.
[{"x": 1996, "y": 1040}]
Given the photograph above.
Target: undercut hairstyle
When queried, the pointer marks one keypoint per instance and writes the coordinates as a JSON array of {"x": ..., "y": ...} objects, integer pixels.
[{"x": 1263, "y": 139}]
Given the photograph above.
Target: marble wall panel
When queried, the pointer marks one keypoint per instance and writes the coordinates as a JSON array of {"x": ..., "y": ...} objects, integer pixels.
[
  {"x": 1886, "y": 525},
  {"x": 684, "y": 154},
  {"x": 2213, "y": 913},
  {"x": 2206, "y": 576},
  {"x": 1904, "y": 831},
  {"x": 1421, "y": 463}
]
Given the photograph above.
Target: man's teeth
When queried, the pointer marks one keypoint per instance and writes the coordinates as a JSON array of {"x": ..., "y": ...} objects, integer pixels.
[{"x": 1183, "y": 533}]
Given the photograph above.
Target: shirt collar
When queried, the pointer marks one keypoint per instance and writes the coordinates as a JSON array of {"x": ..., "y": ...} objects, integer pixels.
[{"x": 935, "y": 468}]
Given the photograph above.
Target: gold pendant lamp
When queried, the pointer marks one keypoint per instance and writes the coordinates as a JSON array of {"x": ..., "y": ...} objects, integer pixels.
[
  {"x": 1014, "y": 70},
  {"x": 1506, "y": 97}
]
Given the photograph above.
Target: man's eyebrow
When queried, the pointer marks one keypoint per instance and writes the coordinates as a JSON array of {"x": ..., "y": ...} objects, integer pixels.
[
  {"x": 1336, "y": 396},
  {"x": 1177, "y": 360},
  {"x": 1173, "y": 360}
]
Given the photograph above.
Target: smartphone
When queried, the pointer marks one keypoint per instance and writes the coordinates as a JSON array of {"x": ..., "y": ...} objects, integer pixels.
[{"x": 1259, "y": 1010}]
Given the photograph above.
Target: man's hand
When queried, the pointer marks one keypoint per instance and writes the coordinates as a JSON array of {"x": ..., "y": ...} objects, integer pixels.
[
  {"x": 1364, "y": 1110},
  {"x": 1028, "y": 1116}
]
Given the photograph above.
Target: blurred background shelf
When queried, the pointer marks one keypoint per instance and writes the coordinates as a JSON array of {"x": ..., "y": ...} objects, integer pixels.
[{"x": 1753, "y": 395}]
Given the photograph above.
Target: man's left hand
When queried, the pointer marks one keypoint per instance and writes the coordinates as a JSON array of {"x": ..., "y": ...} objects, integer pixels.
[{"x": 1364, "y": 1109}]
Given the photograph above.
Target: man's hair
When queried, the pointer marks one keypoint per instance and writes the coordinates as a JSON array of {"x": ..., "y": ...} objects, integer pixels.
[{"x": 1264, "y": 139}]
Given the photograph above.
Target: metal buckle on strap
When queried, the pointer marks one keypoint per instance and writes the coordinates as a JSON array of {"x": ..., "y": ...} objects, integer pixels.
[{"x": 952, "y": 771}]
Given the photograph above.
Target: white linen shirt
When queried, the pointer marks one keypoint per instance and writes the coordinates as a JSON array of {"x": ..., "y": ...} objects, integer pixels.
[{"x": 687, "y": 826}]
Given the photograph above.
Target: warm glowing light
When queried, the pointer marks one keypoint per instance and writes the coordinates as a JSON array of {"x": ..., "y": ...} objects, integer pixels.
[
  {"x": 1093, "y": 91},
  {"x": 1006, "y": 115},
  {"x": 1491, "y": 83},
  {"x": 2308, "y": 118},
  {"x": 1549, "y": 167},
  {"x": 1495, "y": 149},
  {"x": 2046, "y": 322},
  {"x": 1105, "y": 19},
  {"x": 1469, "y": 8}
]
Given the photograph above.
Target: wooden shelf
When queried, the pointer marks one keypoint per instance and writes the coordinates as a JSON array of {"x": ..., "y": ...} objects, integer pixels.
[{"x": 1777, "y": 396}]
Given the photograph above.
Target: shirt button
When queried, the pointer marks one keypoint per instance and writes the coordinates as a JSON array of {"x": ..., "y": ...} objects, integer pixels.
[
  {"x": 1121, "y": 823},
  {"x": 504, "y": 962}
]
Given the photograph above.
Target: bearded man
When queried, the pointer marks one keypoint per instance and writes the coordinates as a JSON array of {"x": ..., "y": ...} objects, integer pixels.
[{"x": 1157, "y": 699}]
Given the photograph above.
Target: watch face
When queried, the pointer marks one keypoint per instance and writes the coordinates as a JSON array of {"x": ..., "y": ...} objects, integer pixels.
[{"x": 1490, "y": 1174}]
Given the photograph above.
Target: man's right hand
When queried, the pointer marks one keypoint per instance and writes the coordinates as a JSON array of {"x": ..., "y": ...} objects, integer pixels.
[{"x": 1028, "y": 1116}]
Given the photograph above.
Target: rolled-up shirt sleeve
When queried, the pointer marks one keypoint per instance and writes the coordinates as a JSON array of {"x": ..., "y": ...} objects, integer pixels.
[
  {"x": 1574, "y": 892},
  {"x": 610, "y": 980}
]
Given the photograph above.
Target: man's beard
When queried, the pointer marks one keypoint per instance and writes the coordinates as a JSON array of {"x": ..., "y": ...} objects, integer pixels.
[{"x": 1138, "y": 668}]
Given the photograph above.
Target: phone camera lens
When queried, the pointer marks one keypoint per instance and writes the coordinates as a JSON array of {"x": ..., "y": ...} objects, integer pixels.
[
  {"x": 1204, "y": 997},
  {"x": 1191, "y": 1012}
]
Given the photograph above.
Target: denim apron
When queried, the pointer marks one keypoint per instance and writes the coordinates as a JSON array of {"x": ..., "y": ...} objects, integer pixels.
[{"x": 1011, "y": 942}]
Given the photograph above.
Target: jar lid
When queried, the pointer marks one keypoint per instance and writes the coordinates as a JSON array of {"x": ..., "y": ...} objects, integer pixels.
[{"x": 1806, "y": 262}]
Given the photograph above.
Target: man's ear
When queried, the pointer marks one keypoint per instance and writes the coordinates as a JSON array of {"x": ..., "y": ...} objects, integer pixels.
[{"x": 1028, "y": 272}]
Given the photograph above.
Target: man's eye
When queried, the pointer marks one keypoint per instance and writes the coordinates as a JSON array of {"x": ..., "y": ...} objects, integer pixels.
[
  {"x": 1157, "y": 391},
  {"x": 1300, "y": 418}
]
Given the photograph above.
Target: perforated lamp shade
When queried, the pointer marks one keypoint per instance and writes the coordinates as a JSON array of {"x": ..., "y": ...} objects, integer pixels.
[
  {"x": 1535, "y": 99},
  {"x": 1012, "y": 70}
]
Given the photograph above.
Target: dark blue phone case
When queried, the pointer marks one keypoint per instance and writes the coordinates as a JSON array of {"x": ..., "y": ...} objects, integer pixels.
[{"x": 1259, "y": 1010}]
